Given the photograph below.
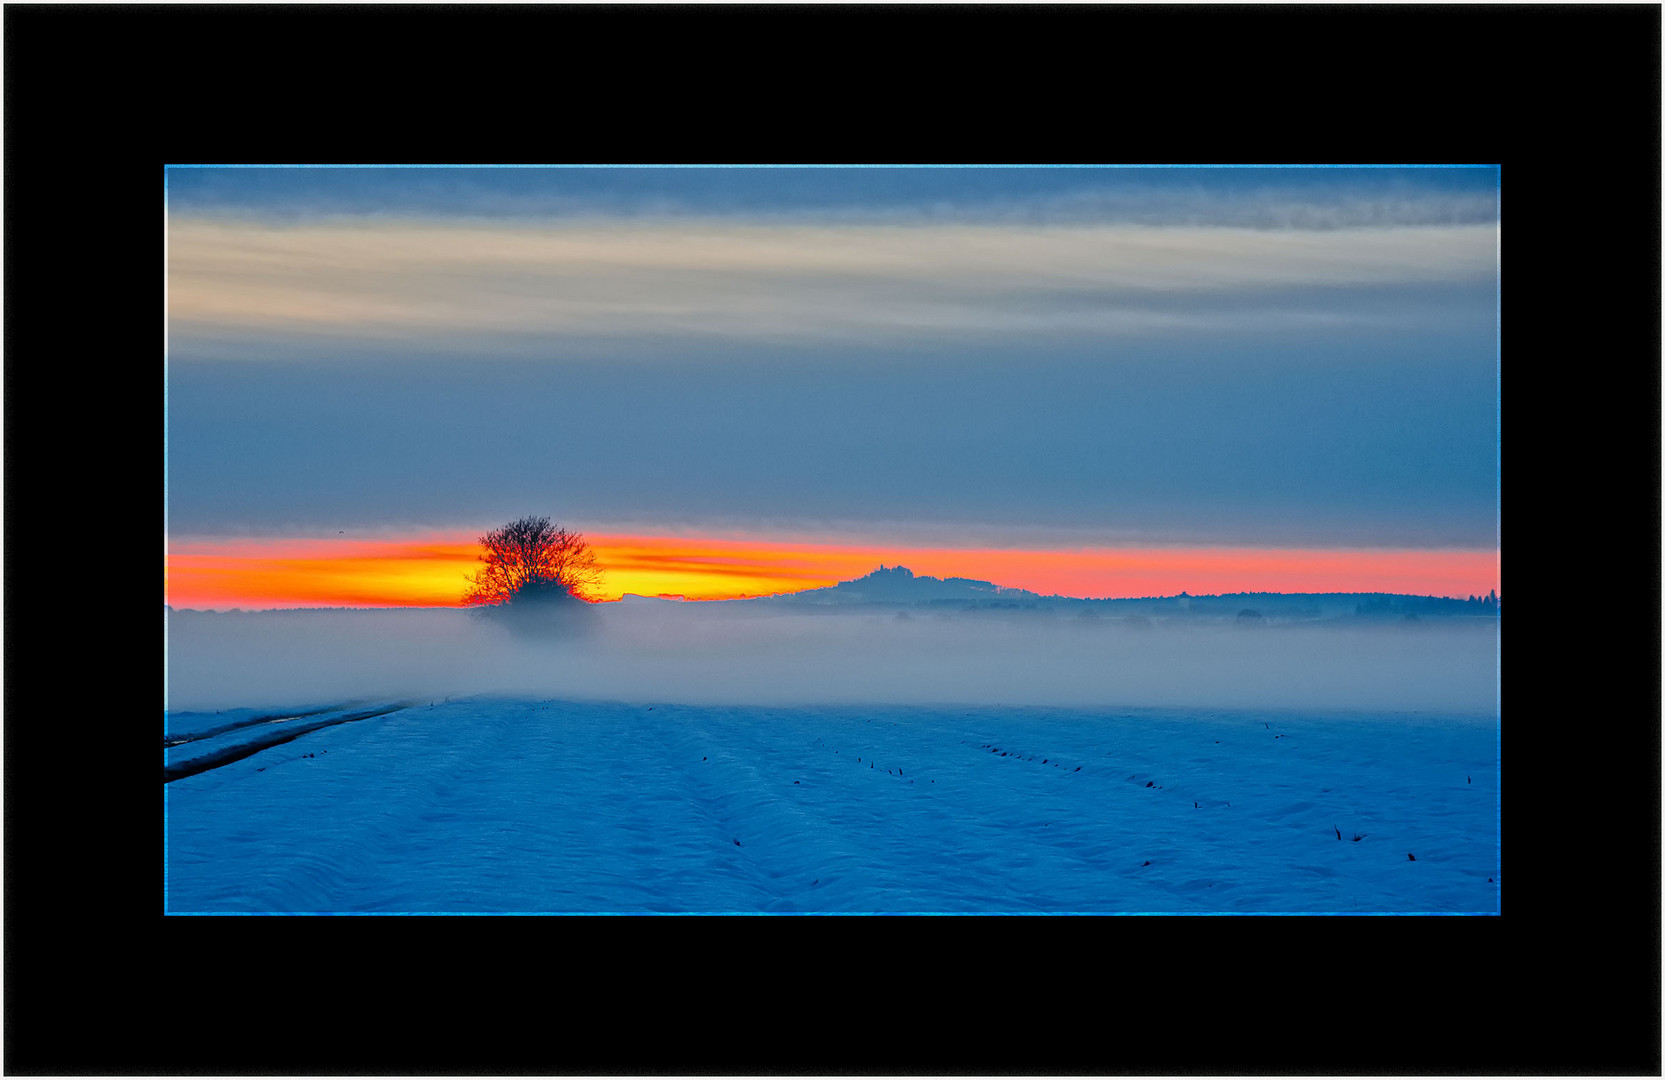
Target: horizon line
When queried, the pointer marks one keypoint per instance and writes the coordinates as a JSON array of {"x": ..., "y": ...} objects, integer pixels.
[
  {"x": 431, "y": 570},
  {"x": 681, "y": 599}
]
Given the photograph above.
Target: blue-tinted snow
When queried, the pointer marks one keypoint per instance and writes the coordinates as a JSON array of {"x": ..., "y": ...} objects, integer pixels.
[
  {"x": 673, "y": 757},
  {"x": 495, "y": 804}
]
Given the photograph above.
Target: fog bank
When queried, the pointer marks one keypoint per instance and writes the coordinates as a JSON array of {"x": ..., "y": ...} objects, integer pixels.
[{"x": 716, "y": 654}]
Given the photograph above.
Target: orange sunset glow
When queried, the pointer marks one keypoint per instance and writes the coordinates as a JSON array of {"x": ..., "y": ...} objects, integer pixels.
[{"x": 429, "y": 571}]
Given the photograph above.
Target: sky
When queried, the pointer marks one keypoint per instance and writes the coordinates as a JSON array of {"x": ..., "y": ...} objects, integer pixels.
[{"x": 1078, "y": 380}]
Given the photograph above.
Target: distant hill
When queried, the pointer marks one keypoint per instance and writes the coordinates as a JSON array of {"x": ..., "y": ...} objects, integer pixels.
[{"x": 897, "y": 586}]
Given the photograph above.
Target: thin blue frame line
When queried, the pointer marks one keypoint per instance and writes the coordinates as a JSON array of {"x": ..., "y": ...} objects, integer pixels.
[
  {"x": 1498, "y": 504},
  {"x": 833, "y": 165},
  {"x": 167, "y": 654},
  {"x": 791, "y": 914}
]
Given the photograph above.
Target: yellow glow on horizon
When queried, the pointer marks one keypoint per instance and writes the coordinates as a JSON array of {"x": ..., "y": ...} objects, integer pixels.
[
  {"x": 430, "y": 571},
  {"x": 319, "y": 573}
]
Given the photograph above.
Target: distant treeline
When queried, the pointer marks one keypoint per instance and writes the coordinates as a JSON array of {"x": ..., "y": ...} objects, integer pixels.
[
  {"x": 1320, "y": 605},
  {"x": 897, "y": 587}
]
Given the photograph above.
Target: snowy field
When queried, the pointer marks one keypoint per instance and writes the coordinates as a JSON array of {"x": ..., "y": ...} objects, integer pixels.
[{"x": 639, "y": 765}]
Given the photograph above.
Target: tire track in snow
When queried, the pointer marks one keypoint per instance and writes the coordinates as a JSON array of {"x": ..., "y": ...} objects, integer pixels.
[
  {"x": 401, "y": 817},
  {"x": 183, "y": 739},
  {"x": 721, "y": 807},
  {"x": 193, "y": 766},
  {"x": 755, "y": 811}
]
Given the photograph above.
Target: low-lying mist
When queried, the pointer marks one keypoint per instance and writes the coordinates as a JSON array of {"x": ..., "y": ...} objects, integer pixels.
[{"x": 717, "y": 654}]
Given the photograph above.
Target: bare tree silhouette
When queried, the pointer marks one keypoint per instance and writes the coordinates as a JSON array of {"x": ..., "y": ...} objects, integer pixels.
[{"x": 532, "y": 561}]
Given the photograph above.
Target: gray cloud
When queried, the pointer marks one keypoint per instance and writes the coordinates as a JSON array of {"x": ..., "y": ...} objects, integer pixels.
[
  {"x": 510, "y": 288},
  {"x": 1232, "y": 198}
]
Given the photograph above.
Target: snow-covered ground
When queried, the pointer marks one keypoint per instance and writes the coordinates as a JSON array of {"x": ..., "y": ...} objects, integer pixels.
[{"x": 667, "y": 798}]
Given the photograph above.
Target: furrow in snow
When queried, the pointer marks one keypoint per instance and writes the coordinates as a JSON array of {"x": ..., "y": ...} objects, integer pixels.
[{"x": 192, "y": 766}]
